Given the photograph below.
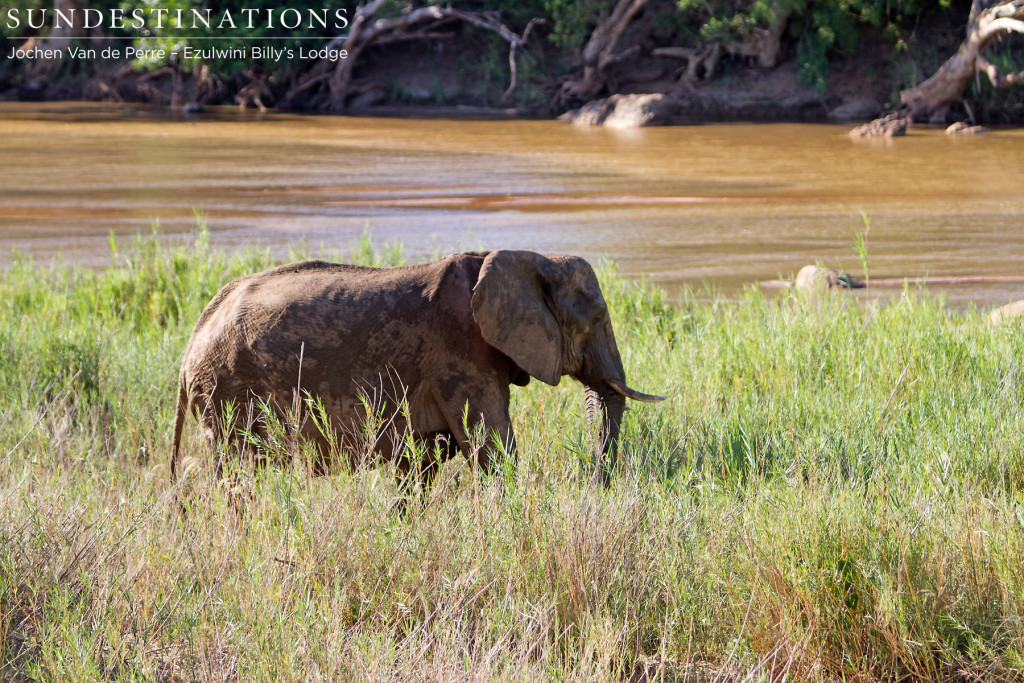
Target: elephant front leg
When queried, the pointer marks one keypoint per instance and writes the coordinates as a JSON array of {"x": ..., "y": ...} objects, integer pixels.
[
  {"x": 487, "y": 441},
  {"x": 435, "y": 450},
  {"x": 480, "y": 425},
  {"x": 499, "y": 448},
  {"x": 440, "y": 447}
]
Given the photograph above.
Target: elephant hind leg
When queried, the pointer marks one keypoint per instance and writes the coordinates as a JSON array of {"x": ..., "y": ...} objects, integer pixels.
[
  {"x": 211, "y": 423},
  {"x": 232, "y": 430},
  {"x": 404, "y": 479}
]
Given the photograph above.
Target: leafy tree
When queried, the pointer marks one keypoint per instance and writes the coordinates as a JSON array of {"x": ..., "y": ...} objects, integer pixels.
[
  {"x": 240, "y": 32},
  {"x": 818, "y": 28},
  {"x": 572, "y": 20}
]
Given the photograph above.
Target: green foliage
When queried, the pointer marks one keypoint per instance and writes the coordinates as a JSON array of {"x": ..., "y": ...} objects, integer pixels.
[
  {"x": 819, "y": 28},
  {"x": 63, "y": 362},
  {"x": 999, "y": 105},
  {"x": 572, "y": 20},
  {"x": 22, "y": 6},
  {"x": 826, "y": 26},
  {"x": 366, "y": 253},
  {"x": 229, "y": 53},
  {"x": 514, "y": 13},
  {"x": 484, "y": 74}
]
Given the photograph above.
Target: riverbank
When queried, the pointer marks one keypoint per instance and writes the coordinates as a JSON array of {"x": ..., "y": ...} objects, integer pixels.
[
  {"x": 831, "y": 491},
  {"x": 766, "y": 62}
]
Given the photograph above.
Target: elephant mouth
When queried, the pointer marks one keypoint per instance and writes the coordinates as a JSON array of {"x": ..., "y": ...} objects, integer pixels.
[{"x": 626, "y": 391}]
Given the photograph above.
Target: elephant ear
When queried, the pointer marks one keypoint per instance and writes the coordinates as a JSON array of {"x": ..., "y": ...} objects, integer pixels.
[{"x": 510, "y": 304}]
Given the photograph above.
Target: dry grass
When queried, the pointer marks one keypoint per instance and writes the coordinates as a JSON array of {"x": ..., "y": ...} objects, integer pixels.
[{"x": 833, "y": 493}]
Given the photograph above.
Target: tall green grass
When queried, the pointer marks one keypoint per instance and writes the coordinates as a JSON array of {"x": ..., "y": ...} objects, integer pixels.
[{"x": 832, "y": 492}]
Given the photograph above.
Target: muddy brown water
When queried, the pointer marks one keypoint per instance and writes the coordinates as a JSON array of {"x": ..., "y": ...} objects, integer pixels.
[{"x": 713, "y": 207}]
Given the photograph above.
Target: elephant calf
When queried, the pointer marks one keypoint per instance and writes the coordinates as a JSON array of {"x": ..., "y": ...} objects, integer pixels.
[{"x": 447, "y": 338}]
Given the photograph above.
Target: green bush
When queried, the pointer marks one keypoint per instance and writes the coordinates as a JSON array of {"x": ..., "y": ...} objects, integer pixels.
[{"x": 818, "y": 28}]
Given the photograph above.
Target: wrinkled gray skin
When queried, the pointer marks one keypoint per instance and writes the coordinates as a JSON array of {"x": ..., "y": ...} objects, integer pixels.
[{"x": 440, "y": 335}]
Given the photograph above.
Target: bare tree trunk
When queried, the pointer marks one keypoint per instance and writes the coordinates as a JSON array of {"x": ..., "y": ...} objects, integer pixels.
[
  {"x": 355, "y": 43},
  {"x": 59, "y": 37},
  {"x": 989, "y": 21},
  {"x": 599, "y": 52},
  {"x": 418, "y": 24}
]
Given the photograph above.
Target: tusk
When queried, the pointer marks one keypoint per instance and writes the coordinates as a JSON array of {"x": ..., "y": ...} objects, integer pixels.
[{"x": 633, "y": 393}]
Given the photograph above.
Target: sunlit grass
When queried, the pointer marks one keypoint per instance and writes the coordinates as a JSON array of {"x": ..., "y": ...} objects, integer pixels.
[{"x": 833, "y": 492}]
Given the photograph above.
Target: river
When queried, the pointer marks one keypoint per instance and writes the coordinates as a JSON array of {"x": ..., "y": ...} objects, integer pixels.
[{"x": 713, "y": 207}]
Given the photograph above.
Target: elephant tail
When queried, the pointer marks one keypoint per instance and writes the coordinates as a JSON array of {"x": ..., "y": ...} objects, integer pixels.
[{"x": 179, "y": 424}]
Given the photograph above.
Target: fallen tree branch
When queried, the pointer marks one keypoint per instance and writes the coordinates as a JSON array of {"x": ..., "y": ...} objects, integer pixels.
[
  {"x": 513, "y": 46},
  {"x": 700, "y": 59},
  {"x": 490, "y": 22},
  {"x": 413, "y": 24},
  {"x": 996, "y": 75}
]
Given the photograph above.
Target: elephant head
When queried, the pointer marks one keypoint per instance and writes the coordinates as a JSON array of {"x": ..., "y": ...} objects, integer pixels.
[{"x": 547, "y": 314}]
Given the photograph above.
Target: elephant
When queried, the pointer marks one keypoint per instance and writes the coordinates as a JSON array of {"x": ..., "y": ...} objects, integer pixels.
[{"x": 446, "y": 339}]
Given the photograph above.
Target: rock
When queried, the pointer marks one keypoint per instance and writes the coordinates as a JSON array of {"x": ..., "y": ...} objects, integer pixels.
[
  {"x": 964, "y": 128},
  {"x": 639, "y": 110},
  {"x": 889, "y": 126},
  {"x": 814, "y": 277},
  {"x": 1011, "y": 311},
  {"x": 856, "y": 109},
  {"x": 623, "y": 111},
  {"x": 192, "y": 108},
  {"x": 590, "y": 114}
]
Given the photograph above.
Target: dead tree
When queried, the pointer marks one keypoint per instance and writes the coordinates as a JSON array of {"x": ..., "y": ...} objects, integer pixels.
[
  {"x": 931, "y": 100},
  {"x": 599, "y": 52},
  {"x": 990, "y": 20},
  {"x": 423, "y": 23}
]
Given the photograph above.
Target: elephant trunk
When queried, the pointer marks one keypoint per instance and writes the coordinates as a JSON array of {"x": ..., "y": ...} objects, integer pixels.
[
  {"x": 605, "y": 407},
  {"x": 607, "y": 391}
]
